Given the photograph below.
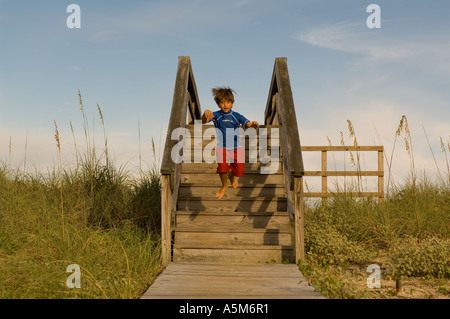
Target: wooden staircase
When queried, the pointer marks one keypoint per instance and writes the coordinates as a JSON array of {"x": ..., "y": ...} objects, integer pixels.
[
  {"x": 259, "y": 222},
  {"x": 234, "y": 247},
  {"x": 249, "y": 224}
]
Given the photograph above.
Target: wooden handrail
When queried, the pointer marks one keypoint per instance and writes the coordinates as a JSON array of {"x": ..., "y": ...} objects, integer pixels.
[
  {"x": 280, "y": 110},
  {"x": 185, "y": 104},
  {"x": 185, "y": 97}
]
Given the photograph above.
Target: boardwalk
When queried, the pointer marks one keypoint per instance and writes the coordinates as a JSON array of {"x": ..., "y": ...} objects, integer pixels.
[{"x": 231, "y": 281}]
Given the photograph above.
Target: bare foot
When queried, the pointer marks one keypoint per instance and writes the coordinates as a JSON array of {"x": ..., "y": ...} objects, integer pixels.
[
  {"x": 221, "y": 192},
  {"x": 233, "y": 180}
]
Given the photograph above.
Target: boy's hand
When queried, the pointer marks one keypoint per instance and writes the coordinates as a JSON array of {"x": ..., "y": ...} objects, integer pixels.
[
  {"x": 253, "y": 124},
  {"x": 207, "y": 116}
]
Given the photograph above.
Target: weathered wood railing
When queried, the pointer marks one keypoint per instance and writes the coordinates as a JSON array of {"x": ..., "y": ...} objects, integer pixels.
[
  {"x": 280, "y": 111},
  {"x": 325, "y": 173},
  {"x": 185, "y": 105}
]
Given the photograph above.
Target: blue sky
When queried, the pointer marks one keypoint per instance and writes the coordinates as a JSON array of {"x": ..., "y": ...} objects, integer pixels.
[{"x": 125, "y": 54}]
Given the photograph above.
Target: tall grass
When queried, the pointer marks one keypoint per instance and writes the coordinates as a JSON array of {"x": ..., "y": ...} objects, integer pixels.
[
  {"x": 95, "y": 215},
  {"x": 407, "y": 233}
]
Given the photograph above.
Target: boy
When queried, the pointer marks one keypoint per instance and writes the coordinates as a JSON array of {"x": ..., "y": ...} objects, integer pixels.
[{"x": 227, "y": 124}]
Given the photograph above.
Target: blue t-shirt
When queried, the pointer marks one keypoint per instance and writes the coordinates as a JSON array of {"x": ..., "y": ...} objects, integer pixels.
[{"x": 227, "y": 128}]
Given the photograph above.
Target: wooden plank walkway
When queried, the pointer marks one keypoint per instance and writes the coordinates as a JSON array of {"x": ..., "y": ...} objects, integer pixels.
[{"x": 231, "y": 281}]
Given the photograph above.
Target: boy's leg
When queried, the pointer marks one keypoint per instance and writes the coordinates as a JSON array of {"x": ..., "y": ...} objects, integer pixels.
[
  {"x": 233, "y": 180},
  {"x": 222, "y": 169},
  {"x": 237, "y": 167},
  {"x": 223, "y": 179}
]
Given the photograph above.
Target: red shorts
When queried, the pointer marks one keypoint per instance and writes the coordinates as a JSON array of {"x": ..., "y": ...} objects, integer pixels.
[{"x": 233, "y": 160}]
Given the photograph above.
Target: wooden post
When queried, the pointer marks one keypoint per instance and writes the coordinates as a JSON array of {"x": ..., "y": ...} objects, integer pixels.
[
  {"x": 299, "y": 232},
  {"x": 380, "y": 177},
  {"x": 324, "y": 177},
  {"x": 166, "y": 214}
]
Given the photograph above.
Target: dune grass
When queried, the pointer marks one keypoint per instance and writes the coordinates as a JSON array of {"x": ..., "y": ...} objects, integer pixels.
[
  {"x": 406, "y": 234},
  {"x": 109, "y": 227},
  {"x": 94, "y": 215}
]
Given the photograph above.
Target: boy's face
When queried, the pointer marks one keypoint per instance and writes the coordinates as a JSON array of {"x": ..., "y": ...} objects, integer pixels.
[{"x": 225, "y": 105}]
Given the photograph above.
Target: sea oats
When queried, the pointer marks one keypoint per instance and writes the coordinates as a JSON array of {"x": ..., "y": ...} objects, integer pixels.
[
  {"x": 100, "y": 113},
  {"x": 80, "y": 101},
  {"x": 350, "y": 128},
  {"x": 57, "y": 136},
  {"x": 352, "y": 159},
  {"x": 307, "y": 187}
]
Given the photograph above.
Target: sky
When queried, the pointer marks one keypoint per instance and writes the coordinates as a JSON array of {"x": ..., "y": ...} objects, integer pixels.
[{"x": 124, "y": 58}]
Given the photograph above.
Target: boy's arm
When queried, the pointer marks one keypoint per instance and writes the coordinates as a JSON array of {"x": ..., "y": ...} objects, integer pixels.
[
  {"x": 207, "y": 116},
  {"x": 252, "y": 124},
  {"x": 247, "y": 123}
]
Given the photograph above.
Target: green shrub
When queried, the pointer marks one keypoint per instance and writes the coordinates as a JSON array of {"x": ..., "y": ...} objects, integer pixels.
[
  {"x": 429, "y": 257},
  {"x": 328, "y": 247}
]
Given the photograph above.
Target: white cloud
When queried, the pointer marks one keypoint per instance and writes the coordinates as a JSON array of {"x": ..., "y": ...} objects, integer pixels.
[{"x": 380, "y": 45}]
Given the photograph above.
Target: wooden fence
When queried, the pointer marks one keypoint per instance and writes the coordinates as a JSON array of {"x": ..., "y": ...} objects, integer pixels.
[{"x": 325, "y": 173}]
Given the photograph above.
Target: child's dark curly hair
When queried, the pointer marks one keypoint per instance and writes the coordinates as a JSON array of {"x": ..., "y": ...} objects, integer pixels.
[{"x": 223, "y": 93}]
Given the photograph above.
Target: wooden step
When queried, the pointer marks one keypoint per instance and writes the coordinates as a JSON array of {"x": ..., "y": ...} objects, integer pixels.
[
  {"x": 244, "y": 228},
  {"x": 212, "y": 204},
  {"x": 207, "y": 179},
  {"x": 253, "y": 168},
  {"x": 235, "y": 254},
  {"x": 234, "y": 231},
  {"x": 195, "y": 239},
  {"x": 245, "y": 191},
  {"x": 237, "y": 221}
]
